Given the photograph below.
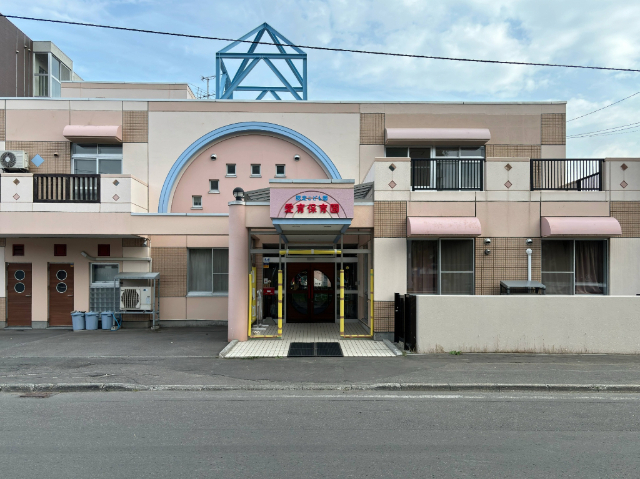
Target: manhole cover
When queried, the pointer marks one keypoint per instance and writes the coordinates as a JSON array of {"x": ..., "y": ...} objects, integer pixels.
[{"x": 308, "y": 350}]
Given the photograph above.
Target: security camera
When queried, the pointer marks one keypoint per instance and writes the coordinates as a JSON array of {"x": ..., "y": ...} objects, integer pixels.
[
  {"x": 529, "y": 241},
  {"x": 297, "y": 157},
  {"x": 487, "y": 241},
  {"x": 213, "y": 157}
]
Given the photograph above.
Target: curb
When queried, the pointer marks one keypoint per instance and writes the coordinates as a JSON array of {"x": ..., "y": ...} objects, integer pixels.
[
  {"x": 392, "y": 347},
  {"x": 227, "y": 349},
  {"x": 425, "y": 387}
]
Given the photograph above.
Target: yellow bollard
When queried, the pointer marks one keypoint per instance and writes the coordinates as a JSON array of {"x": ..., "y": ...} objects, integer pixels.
[
  {"x": 250, "y": 305},
  {"x": 341, "y": 302},
  {"x": 371, "y": 290},
  {"x": 280, "y": 302}
]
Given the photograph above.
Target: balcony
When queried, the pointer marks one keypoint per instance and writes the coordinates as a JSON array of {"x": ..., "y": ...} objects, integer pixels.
[
  {"x": 52, "y": 188},
  {"x": 566, "y": 175},
  {"x": 447, "y": 174},
  {"x": 108, "y": 193}
]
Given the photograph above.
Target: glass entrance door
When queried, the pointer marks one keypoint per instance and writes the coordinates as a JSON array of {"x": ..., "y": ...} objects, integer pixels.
[{"x": 310, "y": 293}]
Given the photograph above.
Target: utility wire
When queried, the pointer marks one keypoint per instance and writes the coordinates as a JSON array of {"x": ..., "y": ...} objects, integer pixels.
[
  {"x": 606, "y": 130},
  {"x": 309, "y": 47},
  {"x": 603, "y": 134},
  {"x": 599, "y": 109}
]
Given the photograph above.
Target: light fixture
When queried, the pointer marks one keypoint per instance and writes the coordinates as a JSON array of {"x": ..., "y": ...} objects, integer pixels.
[
  {"x": 213, "y": 157},
  {"x": 529, "y": 241},
  {"x": 487, "y": 241},
  {"x": 296, "y": 158},
  {"x": 238, "y": 193},
  {"x": 487, "y": 251}
]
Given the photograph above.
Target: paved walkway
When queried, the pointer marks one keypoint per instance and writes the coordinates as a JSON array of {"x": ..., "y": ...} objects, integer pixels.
[
  {"x": 188, "y": 357},
  {"x": 309, "y": 333}
]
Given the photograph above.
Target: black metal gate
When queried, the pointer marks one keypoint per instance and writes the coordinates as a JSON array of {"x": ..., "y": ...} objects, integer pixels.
[{"x": 405, "y": 320}]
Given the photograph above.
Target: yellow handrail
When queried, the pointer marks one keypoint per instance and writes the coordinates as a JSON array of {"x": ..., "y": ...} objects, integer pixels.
[
  {"x": 310, "y": 251},
  {"x": 371, "y": 289},
  {"x": 280, "y": 302},
  {"x": 250, "y": 305},
  {"x": 341, "y": 302}
]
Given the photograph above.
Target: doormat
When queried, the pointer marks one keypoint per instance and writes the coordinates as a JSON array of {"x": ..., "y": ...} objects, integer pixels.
[{"x": 310, "y": 350}]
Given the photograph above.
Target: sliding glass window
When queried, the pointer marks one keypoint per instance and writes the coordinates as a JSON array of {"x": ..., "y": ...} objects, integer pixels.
[
  {"x": 444, "y": 266},
  {"x": 574, "y": 266}
]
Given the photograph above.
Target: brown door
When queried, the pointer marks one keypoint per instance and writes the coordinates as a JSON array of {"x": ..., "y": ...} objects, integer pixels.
[
  {"x": 310, "y": 293},
  {"x": 60, "y": 294},
  {"x": 19, "y": 294}
]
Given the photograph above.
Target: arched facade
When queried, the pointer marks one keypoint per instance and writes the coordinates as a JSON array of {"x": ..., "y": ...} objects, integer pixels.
[{"x": 242, "y": 144}]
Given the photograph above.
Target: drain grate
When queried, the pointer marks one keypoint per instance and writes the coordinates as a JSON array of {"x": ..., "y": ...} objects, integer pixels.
[{"x": 310, "y": 350}]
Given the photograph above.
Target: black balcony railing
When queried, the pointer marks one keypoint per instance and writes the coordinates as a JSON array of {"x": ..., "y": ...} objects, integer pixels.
[
  {"x": 566, "y": 175},
  {"x": 54, "y": 188},
  {"x": 447, "y": 174}
]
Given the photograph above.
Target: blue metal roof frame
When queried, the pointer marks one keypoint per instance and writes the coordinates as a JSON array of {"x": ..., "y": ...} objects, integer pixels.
[
  {"x": 227, "y": 84},
  {"x": 235, "y": 129}
]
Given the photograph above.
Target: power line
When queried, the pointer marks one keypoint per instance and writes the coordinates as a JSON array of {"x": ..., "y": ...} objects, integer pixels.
[
  {"x": 599, "y": 109},
  {"x": 309, "y": 47},
  {"x": 606, "y": 130},
  {"x": 604, "y": 134}
]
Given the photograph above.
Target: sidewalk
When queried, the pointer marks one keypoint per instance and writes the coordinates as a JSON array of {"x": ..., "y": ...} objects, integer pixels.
[{"x": 188, "y": 359}]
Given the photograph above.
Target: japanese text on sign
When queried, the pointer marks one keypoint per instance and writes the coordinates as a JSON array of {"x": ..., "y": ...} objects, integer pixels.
[{"x": 312, "y": 208}]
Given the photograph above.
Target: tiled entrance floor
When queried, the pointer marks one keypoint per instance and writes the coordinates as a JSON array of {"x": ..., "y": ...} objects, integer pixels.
[{"x": 309, "y": 333}]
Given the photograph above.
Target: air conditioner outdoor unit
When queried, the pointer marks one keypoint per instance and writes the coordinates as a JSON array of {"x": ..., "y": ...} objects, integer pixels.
[
  {"x": 138, "y": 298},
  {"x": 14, "y": 160}
]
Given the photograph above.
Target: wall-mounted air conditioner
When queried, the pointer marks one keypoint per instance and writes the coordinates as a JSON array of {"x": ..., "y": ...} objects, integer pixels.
[
  {"x": 136, "y": 298},
  {"x": 14, "y": 160}
]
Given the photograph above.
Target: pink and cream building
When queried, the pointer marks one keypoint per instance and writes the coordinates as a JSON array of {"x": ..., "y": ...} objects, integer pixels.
[{"x": 437, "y": 199}]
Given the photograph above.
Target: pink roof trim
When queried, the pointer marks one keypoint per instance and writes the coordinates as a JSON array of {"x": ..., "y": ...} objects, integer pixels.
[
  {"x": 436, "y": 135},
  {"x": 101, "y": 133},
  {"x": 443, "y": 226},
  {"x": 579, "y": 226}
]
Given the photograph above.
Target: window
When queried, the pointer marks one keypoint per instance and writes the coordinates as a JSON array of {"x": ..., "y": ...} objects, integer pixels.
[
  {"x": 395, "y": 152},
  {"x": 18, "y": 250},
  {"x": 48, "y": 73},
  {"x": 443, "y": 266},
  {"x": 208, "y": 271},
  {"x": 231, "y": 170},
  {"x": 102, "y": 273},
  {"x": 104, "y": 250},
  {"x": 41, "y": 74},
  {"x": 59, "y": 250},
  {"x": 196, "y": 202},
  {"x": 255, "y": 171},
  {"x": 91, "y": 159},
  {"x": 280, "y": 170},
  {"x": 450, "y": 168},
  {"x": 574, "y": 267},
  {"x": 214, "y": 186}
]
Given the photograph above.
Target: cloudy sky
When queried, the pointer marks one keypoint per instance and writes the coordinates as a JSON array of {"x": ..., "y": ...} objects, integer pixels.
[{"x": 585, "y": 32}]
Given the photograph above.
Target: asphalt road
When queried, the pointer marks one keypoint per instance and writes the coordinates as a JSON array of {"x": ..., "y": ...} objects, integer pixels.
[{"x": 310, "y": 435}]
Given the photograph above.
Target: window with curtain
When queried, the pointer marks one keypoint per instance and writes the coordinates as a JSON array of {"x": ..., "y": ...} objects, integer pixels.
[
  {"x": 208, "y": 271},
  {"x": 441, "y": 266},
  {"x": 574, "y": 266},
  {"x": 90, "y": 159}
]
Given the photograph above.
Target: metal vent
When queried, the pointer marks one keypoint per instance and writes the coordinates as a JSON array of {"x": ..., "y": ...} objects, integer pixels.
[
  {"x": 130, "y": 298},
  {"x": 8, "y": 159}
]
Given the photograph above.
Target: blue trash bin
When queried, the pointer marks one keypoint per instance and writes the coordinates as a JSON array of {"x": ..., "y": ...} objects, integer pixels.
[
  {"x": 107, "y": 319},
  {"x": 91, "y": 320},
  {"x": 77, "y": 320}
]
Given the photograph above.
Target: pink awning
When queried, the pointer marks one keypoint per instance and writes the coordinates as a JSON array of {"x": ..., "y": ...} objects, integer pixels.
[
  {"x": 443, "y": 226},
  {"x": 93, "y": 133},
  {"x": 437, "y": 136},
  {"x": 579, "y": 226}
]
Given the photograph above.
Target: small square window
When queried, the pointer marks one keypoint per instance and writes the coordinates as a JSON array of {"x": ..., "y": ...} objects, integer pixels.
[
  {"x": 59, "y": 250},
  {"x": 214, "y": 186},
  {"x": 18, "y": 250},
  {"x": 231, "y": 170},
  {"x": 280, "y": 170},
  {"x": 255, "y": 170},
  {"x": 196, "y": 202},
  {"x": 104, "y": 250}
]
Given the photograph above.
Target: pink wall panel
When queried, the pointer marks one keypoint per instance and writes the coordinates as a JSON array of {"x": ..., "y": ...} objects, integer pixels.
[{"x": 243, "y": 151}]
